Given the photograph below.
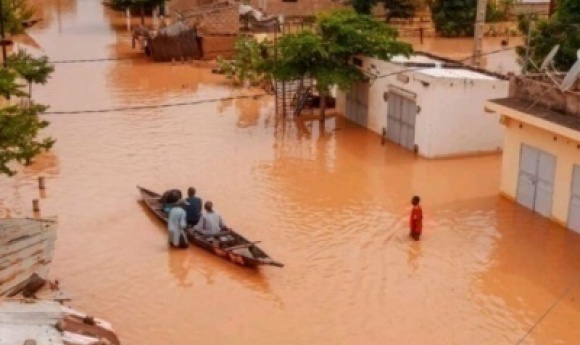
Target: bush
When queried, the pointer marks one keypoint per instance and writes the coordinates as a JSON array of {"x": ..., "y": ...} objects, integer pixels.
[{"x": 454, "y": 18}]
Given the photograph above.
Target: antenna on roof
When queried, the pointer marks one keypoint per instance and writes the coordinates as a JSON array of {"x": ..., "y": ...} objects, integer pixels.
[
  {"x": 548, "y": 62},
  {"x": 571, "y": 76},
  {"x": 549, "y": 58}
]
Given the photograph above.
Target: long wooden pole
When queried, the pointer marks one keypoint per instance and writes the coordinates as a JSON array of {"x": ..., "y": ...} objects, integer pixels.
[
  {"x": 478, "y": 34},
  {"x": 2, "y": 33}
]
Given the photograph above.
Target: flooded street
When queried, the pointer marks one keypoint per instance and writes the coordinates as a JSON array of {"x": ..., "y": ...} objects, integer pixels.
[{"x": 331, "y": 204}]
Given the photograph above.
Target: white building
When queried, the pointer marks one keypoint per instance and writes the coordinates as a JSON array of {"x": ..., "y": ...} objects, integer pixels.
[{"x": 427, "y": 105}]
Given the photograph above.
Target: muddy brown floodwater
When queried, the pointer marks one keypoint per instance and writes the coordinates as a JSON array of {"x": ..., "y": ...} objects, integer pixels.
[{"x": 332, "y": 205}]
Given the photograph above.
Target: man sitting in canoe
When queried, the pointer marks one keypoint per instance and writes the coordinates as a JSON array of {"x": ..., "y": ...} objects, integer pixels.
[
  {"x": 211, "y": 223},
  {"x": 169, "y": 198}
]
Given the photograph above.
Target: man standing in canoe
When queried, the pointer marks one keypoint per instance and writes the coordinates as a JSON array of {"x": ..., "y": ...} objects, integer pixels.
[
  {"x": 416, "y": 219},
  {"x": 176, "y": 223}
]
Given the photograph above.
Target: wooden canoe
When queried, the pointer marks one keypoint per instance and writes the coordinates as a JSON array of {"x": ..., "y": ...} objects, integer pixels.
[{"x": 242, "y": 252}]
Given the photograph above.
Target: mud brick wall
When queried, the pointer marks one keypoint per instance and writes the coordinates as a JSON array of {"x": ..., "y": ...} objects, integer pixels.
[
  {"x": 298, "y": 8},
  {"x": 214, "y": 46},
  {"x": 545, "y": 93},
  {"x": 226, "y": 21}
]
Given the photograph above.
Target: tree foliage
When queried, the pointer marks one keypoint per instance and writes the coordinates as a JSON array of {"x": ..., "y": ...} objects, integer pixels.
[
  {"x": 562, "y": 28},
  {"x": 9, "y": 84},
  {"x": 33, "y": 70},
  {"x": 249, "y": 62},
  {"x": 454, "y": 18},
  {"x": 325, "y": 54},
  {"x": 393, "y": 8},
  {"x": 20, "y": 124},
  {"x": 363, "y": 6},
  {"x": 15, "y": 14},
  {"x": 400, "y": 8},
  {"x": 19, "y": 127}
]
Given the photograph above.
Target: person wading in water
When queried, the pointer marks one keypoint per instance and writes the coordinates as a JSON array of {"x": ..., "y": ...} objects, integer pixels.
[
  {"x": 176, "y": 224},
  {"x": 416, "y": 219}
]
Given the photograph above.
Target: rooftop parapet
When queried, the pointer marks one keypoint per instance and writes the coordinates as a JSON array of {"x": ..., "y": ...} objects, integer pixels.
[{"x": 540, "y": 90}]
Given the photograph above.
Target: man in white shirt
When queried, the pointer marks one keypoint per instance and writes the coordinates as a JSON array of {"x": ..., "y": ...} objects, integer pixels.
[
  {"x": 211, "y": 222},
  {"x": 176, "y": 223}
]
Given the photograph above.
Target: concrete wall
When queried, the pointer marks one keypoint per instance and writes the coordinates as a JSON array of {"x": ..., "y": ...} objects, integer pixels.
[
  {"x": 451, "y": 120},
  {"x": 541, "y": 90},
  {"x": 458, "y": 123},
  {"x": 567, "y": 154}
]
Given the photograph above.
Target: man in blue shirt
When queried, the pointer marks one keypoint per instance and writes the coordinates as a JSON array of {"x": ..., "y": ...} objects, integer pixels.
[{"x": 192, "y": 208}]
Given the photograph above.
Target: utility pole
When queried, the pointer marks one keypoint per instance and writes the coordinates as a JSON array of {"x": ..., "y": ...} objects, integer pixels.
[
  {"x": 2, "y": 33},
  {"x": 478, "y": 35}
]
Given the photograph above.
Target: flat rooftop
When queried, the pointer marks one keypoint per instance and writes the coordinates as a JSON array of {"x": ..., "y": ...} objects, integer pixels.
[
  {"x": 539, "y": 111},
  {"x": 442, "y": 68}
]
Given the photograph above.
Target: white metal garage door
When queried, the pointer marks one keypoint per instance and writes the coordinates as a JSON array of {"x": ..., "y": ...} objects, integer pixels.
[
  {"x": 536, "y": 180},
  {"x": 401, "y": 114},
  {"x": 357, "y": 104},
  {"x": 574, "y": 213}
]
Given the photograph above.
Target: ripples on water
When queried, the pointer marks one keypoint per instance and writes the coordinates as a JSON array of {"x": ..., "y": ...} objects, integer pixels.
[{"x": 332, "y": 205}]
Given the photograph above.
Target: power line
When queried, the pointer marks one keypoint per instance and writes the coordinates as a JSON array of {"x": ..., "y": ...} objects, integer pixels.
[
  {"x": 574, "y": 282},
  {"x": 92, "y": 60},
  {"x": 213, "y": 100},
  {"x": 429, "y": 67},
  {"x": 157, "y": 106}
]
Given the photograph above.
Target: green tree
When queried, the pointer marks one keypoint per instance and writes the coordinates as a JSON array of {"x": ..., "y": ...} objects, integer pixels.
[
  {"x": 363, "y": 6},
  {"x": 393, "y": 8},
  {"x": 324, "y": 53},
  {"x": 19, "y": 127},
  {"x": 400, "y": 8},
  {"x": 15, "y": 15},
  {"x": 20, "y": 124},
  {"x": 249, "y": 62},
  {"x": 33, "y": 70},
  {"x": 9, "y": 84},
  {"x": 454, "y": 18},
  {"x": 562, "y": 28}
]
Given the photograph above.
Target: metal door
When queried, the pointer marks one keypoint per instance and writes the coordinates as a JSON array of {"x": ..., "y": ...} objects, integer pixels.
[
  {"x": 574, "y": 212},
  {"x": 357, "y": 104},
  {"x": 401, "y": 118},
  {"x": 536, "y": 180}
]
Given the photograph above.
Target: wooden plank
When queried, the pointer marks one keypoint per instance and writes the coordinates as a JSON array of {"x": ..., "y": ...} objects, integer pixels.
[{"x": 26, "y": 247}]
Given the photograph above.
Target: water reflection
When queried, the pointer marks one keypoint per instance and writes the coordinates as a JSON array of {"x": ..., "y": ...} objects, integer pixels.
[
  {"x": 179, "y": 265},
  {"x": 414, "y": 255},
  {"x": 51, "y": 11},
  {"x": 330, "y": 202}
]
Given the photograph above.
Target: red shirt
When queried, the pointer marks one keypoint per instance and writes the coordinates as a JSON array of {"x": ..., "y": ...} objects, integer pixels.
[{"x": 416, "y": 219}]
